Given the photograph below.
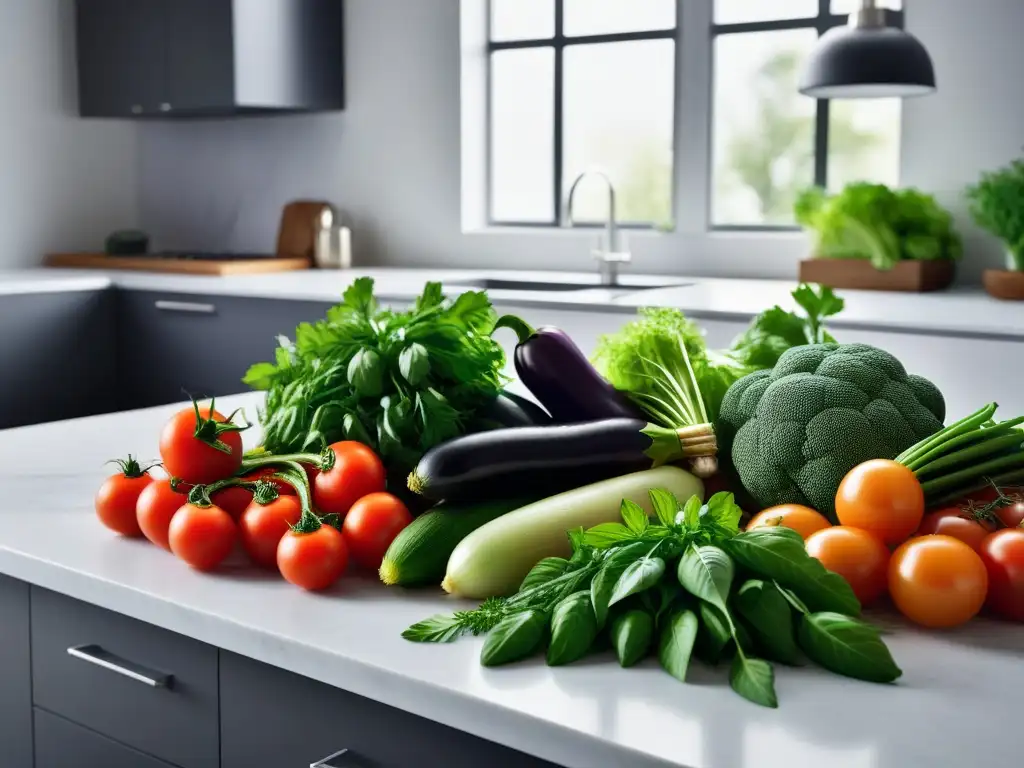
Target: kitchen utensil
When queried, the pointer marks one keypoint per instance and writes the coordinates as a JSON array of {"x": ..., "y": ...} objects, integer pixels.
[
  {"x": 297, "y": 234},
  {"x": 333, "y": 242}
]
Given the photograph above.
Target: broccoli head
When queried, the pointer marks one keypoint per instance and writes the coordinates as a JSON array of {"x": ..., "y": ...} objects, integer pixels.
[{"x": 793, "y": 432}]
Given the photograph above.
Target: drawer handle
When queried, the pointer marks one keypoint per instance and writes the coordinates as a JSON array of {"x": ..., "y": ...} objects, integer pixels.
[
  {"x": 94, "y": 654},
  {"x": 194, "y": 307},
  {"x": 332, "y": 761}
]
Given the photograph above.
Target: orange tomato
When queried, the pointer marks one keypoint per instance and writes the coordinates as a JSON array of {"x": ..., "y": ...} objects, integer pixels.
[
  {"x": 858, "y": 556},
  {"x": 882, "y": 497},
  {"x": 801, "y": 519},
  {"x": 937, "y": 581},
  {"x": 953, "y": 522}
]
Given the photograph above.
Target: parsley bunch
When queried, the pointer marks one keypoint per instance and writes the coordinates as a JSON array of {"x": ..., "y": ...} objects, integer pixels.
[{"x": 400, "y": 382}]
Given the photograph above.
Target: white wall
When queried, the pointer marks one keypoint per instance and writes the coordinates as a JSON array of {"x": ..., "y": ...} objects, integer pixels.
[
  {"x": 65, "y": 183},
  {"x": 392, "y": 159}
]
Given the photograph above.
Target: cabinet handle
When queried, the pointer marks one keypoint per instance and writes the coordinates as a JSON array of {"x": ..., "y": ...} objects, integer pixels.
[
  {"x": 194, "y": 307},
  {"x": 333, "y": 761},
  {"x": 94, "y": 654}
]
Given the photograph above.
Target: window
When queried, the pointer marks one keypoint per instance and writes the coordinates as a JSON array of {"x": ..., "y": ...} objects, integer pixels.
[
  {"x": 768, "y": 141},
  {"x": 574, "y": 85}
]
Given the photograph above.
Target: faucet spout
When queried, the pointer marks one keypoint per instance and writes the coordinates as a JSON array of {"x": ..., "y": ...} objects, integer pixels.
[{"x": 611, "y": 255}]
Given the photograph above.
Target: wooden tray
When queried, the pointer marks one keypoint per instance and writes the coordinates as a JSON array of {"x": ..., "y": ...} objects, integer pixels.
[
  {"x": 917, "y": 276},
  {"x": 1004, "y": 284},
  {"x": 181, "y": 266}
]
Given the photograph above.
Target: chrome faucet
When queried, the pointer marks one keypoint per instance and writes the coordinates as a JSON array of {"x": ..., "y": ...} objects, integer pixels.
[{"x": 611, "y": 255}]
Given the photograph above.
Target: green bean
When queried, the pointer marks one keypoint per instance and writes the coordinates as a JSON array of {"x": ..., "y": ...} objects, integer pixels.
[
  {"x": 968, "y": 438},
  {"x": 944, "y": 483},
  {"x": 1007, "y": 478},
  {"x": 966, "y": 424},
  {"x": 968, "y": 456}
]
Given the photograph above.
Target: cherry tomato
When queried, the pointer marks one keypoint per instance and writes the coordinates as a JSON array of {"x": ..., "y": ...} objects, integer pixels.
[
  {"x": 937, "y": 581},
  {"x": 156, "y": 506},
  {"x": 801, "y": 519},
  {"x": 186, "y": 449},
  {"x": 356, "y": 472},
  {"x": 312, "y": 560},
  {"x": 882, "y": 497},
  {"x": 858, "y": 556},
  {"x": 234, "y": 500},
  {"x": 956, "y": 523},
  {"x": 370, "y": 526},
  {"x": 264, "y": 473},
  {"x": 262, "y": 526},
  {"x": 1010, "y": 516},
  {"x": 1003, "y": 555},
  {"x": 202, "y": 536},
  {"x": 118, "y": 495}
]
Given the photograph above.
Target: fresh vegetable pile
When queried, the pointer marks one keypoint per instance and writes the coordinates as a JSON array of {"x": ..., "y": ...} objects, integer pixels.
[{"x": 688, "y": 585}]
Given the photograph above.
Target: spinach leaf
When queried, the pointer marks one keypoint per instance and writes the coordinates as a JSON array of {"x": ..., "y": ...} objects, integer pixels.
[
  {"x": 675, "y": 643},
  {"x": 665, "y": 505},
  {"x": 778, "y": 553},
  {"x": 847, "y": 646},
  {"x": 714, "y": 634},
  {"x": 515, "y": 637},
  {"x": 754, "y": 680},
  {"x": 634, "y": 517},
  {"x": 603, "y": 585},
  {"x": 546, "y": 570},
  {"x": 573, "y": 629},
  {"x": 764, "y": 608},
  {"x": 707, "y": 573},
  {"x": 639, "y": 575},
  {"x": 631, "y": 635}
]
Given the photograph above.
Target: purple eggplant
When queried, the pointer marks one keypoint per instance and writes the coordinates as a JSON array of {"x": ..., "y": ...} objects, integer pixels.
[{"x": 561, "y": 377}]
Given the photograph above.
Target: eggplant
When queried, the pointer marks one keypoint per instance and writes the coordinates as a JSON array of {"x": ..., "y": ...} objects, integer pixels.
[
  {"x": 561, "y": 377},
  {"x": 535, "y": 460},
  {"x": 508, "y": 409}
]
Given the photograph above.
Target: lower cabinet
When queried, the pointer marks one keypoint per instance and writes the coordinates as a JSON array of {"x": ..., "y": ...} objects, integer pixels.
[
  {"x": 62, "y": 744},
  {"x": 15, "y": 675},
  {"x": 270, "y": 717}
]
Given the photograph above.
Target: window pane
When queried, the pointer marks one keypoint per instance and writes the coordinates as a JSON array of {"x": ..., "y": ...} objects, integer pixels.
[
  {"x": 599, "y": 17},
  {"x": 522, "y": 19},
  {"x": 846, "y": 7},
  {"x": 763, "y": 130},
  {"x": 522, "y": 135},
  {"x": 740, "y": 11},
  {"x": 618, "y": 117},
  {"x": 863, "y": 141}
]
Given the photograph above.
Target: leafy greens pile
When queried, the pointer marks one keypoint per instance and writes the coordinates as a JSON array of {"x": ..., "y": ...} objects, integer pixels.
[
  {"x": 872, "y": 221},
  {"x": 997, "y": 205},
  {"x": 688, "y": 585},
  {"x": 400, "y": 382}
]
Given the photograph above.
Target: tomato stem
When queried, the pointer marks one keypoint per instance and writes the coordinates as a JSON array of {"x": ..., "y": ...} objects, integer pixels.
[
  {"x": 265, "y": 492},
  {"x": 209, "y": 430},
  {"x": 324, "y": 461},
  {"x": 131, "y": 467},
  {"x": 201, "y": 495}
]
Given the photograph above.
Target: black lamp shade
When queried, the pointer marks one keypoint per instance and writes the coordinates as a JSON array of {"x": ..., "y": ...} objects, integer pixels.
[{"x": 866, "y": 63}]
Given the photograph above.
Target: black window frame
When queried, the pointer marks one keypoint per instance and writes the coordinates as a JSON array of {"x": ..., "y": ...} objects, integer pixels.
[
  {"x": 822, "y": 22},
  {"x": 559, "y": 42}
]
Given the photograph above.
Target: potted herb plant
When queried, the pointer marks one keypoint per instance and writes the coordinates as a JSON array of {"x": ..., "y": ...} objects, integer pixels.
[
  {"x": 997, "y": 205},
  {"x": 873, "y": 237}
]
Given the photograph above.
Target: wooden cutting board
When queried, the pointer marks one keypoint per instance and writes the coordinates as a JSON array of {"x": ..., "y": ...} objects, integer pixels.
[{"x": 180, "y": 266}]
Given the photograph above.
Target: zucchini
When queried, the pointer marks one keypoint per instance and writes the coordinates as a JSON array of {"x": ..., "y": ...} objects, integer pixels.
[
  {"x": 494, "y": 559},
  {"x": 419, "y": 553},
  {"x": 548, "y": 459}
]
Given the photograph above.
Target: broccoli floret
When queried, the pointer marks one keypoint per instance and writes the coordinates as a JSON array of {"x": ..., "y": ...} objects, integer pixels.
[{"x": 793, "y": 432}]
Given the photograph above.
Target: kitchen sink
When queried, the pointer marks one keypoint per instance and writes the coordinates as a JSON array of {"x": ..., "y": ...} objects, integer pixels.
[{"x": 499, "y": 284}]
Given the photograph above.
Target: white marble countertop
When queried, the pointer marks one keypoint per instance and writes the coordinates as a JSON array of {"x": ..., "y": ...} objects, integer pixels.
[{"x": 953, "y": 707}]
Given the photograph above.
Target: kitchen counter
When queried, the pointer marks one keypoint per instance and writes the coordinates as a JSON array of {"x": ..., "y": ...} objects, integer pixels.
[
  {"x": 951, "y": 708},
  {"x": 962, "y": 311}
]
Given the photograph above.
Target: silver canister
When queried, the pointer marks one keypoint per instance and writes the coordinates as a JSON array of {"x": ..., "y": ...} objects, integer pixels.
[{"x": 332, "y": 247}]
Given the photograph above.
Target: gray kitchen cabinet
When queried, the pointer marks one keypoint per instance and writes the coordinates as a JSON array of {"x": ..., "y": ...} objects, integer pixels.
[
  {"x": 171, "y": 346},
  {"x": 57, "y": 356},
  {"x": 150, "y": 689},
  {"x": 63, "y": 744},
  {"x": 272, "y": 717},
  {"x": 15, "y": 674}
]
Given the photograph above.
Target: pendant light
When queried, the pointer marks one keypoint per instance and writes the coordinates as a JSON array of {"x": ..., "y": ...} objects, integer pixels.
[{"x": 867, "y": 60}]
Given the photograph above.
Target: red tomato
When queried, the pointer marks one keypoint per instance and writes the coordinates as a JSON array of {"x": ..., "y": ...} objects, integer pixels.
[
  {"x": 263, "y": 525},
  {"x": 202, "y": 536},
  {"x": 356, "y": 472},
  {"x": 858, "y": 556},
  {"x": 803, "y": 520},
  {"x": 1003, "y": 555},
  {"x": 186, "y": 449},
  {"x": 882, "y": 497},
  {"x": 234, "y": 500},
  {"x": 156, "y": 506},
  {"x": 312, "y": 560},
  {"x": 264, "y": 473},
  {"x": 370, "y": 526},
  {"x": 118, "y": 495},
  {"x": 956, "y": 523},
  {"x": 1011, "y": 515},
  {"x": 937, "y": 581}
]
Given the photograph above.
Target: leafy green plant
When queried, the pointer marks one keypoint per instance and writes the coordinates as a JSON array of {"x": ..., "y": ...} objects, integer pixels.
[
  {"x": 872, "y": 221},
  {"x": 997, "y": 205},
  {"x": 672, "y": 587}
]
